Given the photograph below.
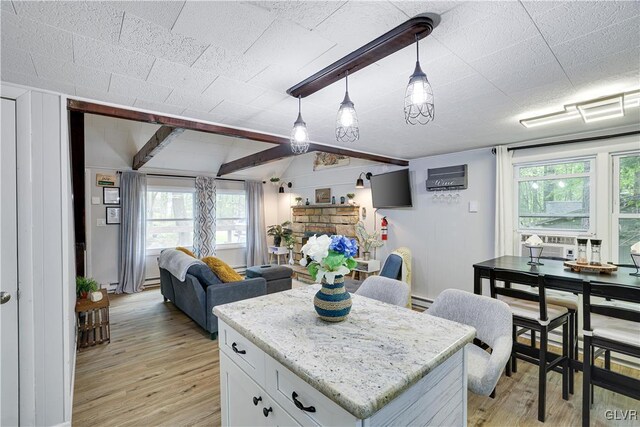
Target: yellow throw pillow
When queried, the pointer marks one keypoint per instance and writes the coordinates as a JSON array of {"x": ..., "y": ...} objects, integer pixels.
[
  {"x": 222, "y": 269},
  {"x": 186, "y": 251}
]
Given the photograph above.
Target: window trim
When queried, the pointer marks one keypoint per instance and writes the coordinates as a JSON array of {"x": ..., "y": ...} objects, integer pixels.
[
  {"x": 592, "y": 194},
  {"x": 615, "y": 203}
]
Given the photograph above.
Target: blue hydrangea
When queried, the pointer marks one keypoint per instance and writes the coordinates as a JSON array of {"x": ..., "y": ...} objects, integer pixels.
[{"x": 343, "y": 245}]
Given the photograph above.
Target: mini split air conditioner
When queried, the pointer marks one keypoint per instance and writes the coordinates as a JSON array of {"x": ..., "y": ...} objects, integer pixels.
[{"x": 556, "y": 247}]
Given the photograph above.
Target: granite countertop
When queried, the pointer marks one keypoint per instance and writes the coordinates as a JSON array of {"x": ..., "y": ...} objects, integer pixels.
[{"x": 362, "y": 363}]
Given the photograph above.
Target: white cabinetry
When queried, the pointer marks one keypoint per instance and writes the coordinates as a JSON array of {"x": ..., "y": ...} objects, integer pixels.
[{"x": 256, "y": 390}]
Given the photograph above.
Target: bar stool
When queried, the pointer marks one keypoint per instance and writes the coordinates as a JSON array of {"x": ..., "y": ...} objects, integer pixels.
[
  {"x": 531, "y": 311},
  {"x": 611, "y": 327},
  {"x": 562, "y": 295}
]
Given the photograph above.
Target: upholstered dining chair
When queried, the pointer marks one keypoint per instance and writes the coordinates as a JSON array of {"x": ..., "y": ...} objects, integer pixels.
[
  {"x": 493, "y": 322},
  {"x": 384, "y": 289}
]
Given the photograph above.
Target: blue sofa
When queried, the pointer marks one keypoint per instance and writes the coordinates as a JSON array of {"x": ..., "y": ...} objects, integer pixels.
[{"x": 202, "y": 290}]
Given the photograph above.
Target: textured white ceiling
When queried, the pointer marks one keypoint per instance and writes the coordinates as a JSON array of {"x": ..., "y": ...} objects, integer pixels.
[{"x": 490, "y": 63}]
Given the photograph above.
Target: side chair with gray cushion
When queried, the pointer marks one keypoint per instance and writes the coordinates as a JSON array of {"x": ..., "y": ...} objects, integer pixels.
[
  {"x": 384, "y": 289},
  {"x": 493, "y": 322}
]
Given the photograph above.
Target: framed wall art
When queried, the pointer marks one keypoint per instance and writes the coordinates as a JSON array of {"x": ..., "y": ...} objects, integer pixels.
[
  {"x": 323, "y": 195},
  {"x": 113, "y": 215},
  {"x": 111, "y": 195}
]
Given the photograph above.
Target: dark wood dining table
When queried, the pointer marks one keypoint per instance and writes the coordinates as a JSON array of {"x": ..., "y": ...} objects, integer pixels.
[
  {"x": 550, "y": 267},
  {"x": 573, "y": 283}
]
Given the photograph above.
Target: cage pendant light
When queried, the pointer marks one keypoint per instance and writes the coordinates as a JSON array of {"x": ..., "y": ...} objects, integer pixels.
[
  {"x": 418, "y": 98},
  {"x": 299, "y": 133},
  {"x": 347, "y": 129}
]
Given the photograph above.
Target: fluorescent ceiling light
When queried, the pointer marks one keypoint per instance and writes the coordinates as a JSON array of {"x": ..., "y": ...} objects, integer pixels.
[
  {"x": 590, "y": 111},
  {"x": 601, "y": 109},
  {"x": 632, "y": 99},
  {"x": 567, "y": 114}
]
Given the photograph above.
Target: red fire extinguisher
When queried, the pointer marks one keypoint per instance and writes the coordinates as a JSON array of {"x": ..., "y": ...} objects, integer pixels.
[{"x": 384, "y": 230}]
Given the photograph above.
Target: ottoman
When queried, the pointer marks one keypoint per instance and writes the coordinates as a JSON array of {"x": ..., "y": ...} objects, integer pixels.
[{"x": 278, "y": 277}]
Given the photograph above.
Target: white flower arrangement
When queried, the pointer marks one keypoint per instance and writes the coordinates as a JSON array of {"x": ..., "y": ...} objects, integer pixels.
[{"x": 331, "y": 256}]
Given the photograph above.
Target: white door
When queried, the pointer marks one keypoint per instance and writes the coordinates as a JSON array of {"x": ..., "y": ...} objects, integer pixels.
[{"x": 8, "y": 268}]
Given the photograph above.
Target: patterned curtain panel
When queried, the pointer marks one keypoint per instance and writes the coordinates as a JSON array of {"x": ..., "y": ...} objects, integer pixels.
[
  {"x": 204, "y": 237},
  {"x": 131, "y": 263},
  {"x": 256, "y": 231}
]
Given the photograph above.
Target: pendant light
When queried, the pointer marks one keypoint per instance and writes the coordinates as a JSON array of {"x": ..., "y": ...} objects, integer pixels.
[
  {"x": 418, "y": 99},
  {"x": 347, "y": 121},
  {"x": 299, "y": 133}
]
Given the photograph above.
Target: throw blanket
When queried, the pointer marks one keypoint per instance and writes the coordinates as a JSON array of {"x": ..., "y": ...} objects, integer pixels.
[
  {"x": 176, "y": 262},
  {"x": 405, "y": 254}
]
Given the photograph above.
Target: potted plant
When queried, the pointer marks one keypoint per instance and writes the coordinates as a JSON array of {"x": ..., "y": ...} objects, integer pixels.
[
  {"x": 279, "y": 231},
  {"x": 275, "y": 181},
  {"x": 351, "y": 196},
  {"x": 299, "y": 201},
  {"x": 85, "y": 285},
  {"x": 289, "y": 242},
  {"x": 367, "y": 241}
]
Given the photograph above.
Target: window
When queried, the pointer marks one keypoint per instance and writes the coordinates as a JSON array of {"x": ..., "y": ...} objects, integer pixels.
[
  {"x": 626, "y": 205},
  {"x": 231, "y": 217},
  {"x": 555, "y": 196},
  {"x": 169, "y": 218}
]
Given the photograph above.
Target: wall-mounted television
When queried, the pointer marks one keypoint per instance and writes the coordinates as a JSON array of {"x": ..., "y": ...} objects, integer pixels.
[{"x": 391, "y": 190}]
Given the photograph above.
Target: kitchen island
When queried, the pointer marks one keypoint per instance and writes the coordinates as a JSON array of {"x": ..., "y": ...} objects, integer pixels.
[{"x": 384, "y": 365}]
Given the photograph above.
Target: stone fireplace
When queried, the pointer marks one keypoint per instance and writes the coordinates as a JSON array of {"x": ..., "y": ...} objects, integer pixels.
[{"x": 322, "y": 219}]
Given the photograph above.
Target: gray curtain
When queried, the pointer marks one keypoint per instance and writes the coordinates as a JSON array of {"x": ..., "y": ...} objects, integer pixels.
[
  {"x": 256, "y": 230},
  {"x": 204, "y": 237},
  {"x": 131, "y": 265}
]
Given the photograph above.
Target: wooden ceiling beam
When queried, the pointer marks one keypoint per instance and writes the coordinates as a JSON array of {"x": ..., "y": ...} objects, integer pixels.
[
  {"x": 185, "y": 124},
  {"x": 139, "y": 116},
  {"x": 284, "y": 151},
  {"x": 158, "y": 141},
  {"x": 257, "y": 159}
]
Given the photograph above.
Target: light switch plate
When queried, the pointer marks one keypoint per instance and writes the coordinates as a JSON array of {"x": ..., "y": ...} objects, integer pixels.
[
  {"x": 95, "y": 200},
  {"x": 473, "y": 206},
  {"x": 101, "y": 222}
]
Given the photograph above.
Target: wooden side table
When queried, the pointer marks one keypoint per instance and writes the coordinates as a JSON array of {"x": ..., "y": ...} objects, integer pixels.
[
  {"x": 365, "y": 268},
  {"x": 92, "y": 319}
]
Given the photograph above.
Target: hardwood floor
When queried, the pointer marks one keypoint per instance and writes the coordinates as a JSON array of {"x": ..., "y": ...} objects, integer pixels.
[
  {"x": 162, "y": 369},
  {"x": 159, "y": 369}
]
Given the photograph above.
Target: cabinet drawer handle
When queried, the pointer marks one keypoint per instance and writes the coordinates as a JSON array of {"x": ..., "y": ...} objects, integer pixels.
[
  {"x": 256, "y": 400},
  {"x": 234, "y": 346},
  {"x": 299, "y": 404},
  {"x": 266, "y": 411}
]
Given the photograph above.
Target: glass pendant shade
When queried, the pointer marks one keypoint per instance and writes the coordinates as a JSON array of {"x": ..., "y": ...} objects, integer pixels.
[
  {"x": 418, "y": 98},
  {"x": 299, "y": 134},
  {"x": 347, "y": 129}
]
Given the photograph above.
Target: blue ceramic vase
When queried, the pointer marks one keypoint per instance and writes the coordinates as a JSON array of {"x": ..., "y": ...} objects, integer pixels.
[{"x": 332, "y": 302}]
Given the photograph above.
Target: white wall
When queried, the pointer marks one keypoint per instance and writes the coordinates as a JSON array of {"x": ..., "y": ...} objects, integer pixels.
[
  {"x": 445, "y": 239},
  {"x": 341, "y": 180},
  {"x": 45, "y": 258}
]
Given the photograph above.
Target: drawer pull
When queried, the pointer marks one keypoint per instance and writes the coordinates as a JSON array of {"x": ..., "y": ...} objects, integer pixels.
[
  {"x": 266, "y": 411},
  {"x": 299, "y": 404},
  {"x": 256, "y": 400},
  {"x": 234, "y": 346}
]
